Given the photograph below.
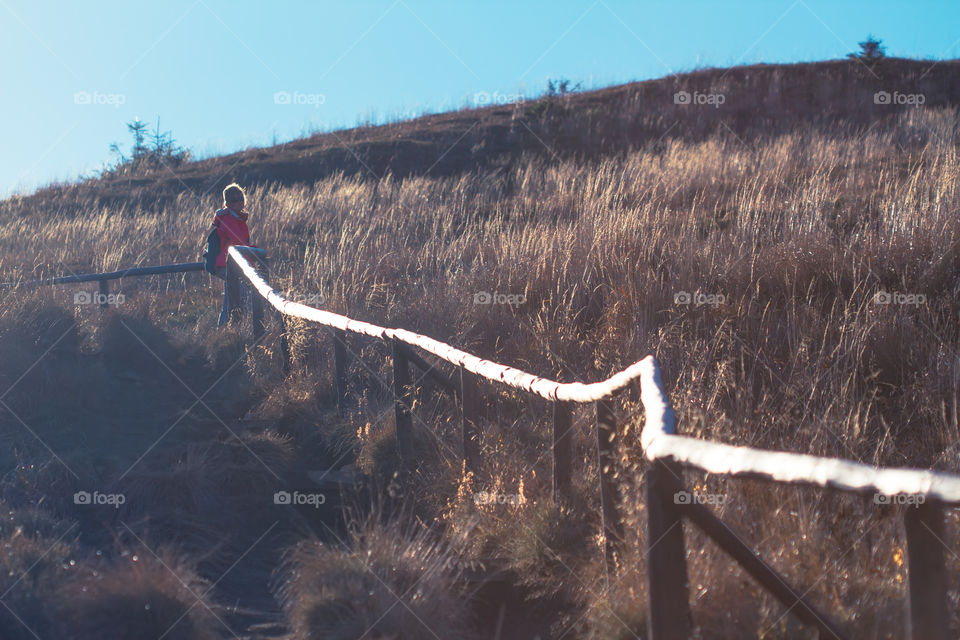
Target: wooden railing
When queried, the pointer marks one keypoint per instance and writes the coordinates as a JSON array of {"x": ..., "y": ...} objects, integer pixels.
[
  {"x": 463, "y": 387},
  {"x": 103, "y": 287},
  {"x": 666, "y": 453},
  {"x": 104, "y": 278}
]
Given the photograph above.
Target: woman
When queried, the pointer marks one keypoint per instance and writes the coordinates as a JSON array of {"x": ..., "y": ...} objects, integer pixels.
[{"x": 231, "y": 224}]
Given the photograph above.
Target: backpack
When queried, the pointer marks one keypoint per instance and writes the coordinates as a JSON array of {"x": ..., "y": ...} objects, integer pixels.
[{"x": 213, "y": 249}]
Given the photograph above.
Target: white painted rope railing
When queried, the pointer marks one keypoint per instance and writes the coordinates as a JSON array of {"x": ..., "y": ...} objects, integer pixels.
[
  {"x": 544, "y": 387},
  {"x": 658, "y": 438},
  {"x": 660, "y": 442}
]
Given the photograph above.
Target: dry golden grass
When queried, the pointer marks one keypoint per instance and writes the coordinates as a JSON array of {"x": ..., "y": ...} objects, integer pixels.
[
  {"x": 393, "y": 581},
  {"x": 797, "y": 231},
  {"x": 54, "y": 587}
]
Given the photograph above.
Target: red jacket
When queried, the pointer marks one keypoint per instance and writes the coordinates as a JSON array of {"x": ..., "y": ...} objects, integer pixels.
[{"x": 232, "y": 230}]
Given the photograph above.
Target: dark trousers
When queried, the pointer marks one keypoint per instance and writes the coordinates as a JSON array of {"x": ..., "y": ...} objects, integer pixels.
[{"x": 234, "y": 298}]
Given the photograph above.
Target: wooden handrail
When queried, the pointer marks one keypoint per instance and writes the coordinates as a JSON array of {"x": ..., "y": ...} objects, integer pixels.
[
  {"x": 182, "y": 267},
  {"x": 543, "y": 387},
  {"x": 657, "y": 438},
  {"x": 661, "y": 443}
]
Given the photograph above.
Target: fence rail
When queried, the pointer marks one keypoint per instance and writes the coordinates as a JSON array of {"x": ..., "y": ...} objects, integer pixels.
[
  {"x": 182, "y": 267},
  {"x": 543, "y": 387},
  {"x": 666, "y": 453},
  {"x": 661, "y": 443},
  {"x": 104, "y": 278}
]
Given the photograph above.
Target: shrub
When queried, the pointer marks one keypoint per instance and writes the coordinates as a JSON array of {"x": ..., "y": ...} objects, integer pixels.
[
  {"x": 393, "y": 581},
  {"x": 138, "y": 596}
]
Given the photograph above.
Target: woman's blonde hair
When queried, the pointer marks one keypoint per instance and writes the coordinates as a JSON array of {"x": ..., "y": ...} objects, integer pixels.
[{"x": 232, "y": 192}]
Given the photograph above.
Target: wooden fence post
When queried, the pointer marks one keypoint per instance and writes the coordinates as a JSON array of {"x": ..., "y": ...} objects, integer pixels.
[
  {"x": 403, "y": 400},
  {"x": 562, "y": 451},
  {"x": 929, "y": 618},
  {"x": 606, "y": 462},
  {"x": 668, "y": 610},
  {"x": 284, "y": 345},
  {"x": 340, "y": 367},
  {"x": 104, "y": 289},
  {"x": 470, "y": 416}
]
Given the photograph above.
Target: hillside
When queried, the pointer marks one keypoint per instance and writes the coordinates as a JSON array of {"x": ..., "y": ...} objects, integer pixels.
[
  {"x": 790, "y": 208},
  {"x": 758, "y": 101}
]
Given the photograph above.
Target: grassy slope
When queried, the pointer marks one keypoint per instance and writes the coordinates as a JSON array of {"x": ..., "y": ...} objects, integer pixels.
[
  {"x": 797, "y": 200},
  {"x": 759, "y": 100}
]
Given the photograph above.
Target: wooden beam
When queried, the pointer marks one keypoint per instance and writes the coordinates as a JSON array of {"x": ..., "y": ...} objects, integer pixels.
[
  {"x": 769, "y": 579},
  {"x": 804, "y": 469},
  {"x": 668, "y": 591},
  {"x": 562, "y": 451},
  {"x": 431, "y": 372},
  {"x": 929, "y": 616},
  {"x": 660, "y": 443},
  {"x": 104, "y": 290},
  {"x": 232, "y": 290},
  {"x": 284, "y": 344},
  {"x": 182, "y": 267},
  {"x": 340, "y": 367}
]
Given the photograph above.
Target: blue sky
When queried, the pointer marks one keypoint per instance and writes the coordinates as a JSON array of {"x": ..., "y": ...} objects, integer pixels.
[{"x": 223, "y": 76}]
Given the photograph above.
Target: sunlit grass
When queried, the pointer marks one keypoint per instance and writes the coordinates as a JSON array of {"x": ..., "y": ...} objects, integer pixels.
[{"x": 796, "y": 234}]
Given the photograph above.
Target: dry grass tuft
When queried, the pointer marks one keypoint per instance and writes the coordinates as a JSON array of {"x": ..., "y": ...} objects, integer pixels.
[
  {"x": 140, "y": 596},
  {"x": 392, "y": 581}
]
